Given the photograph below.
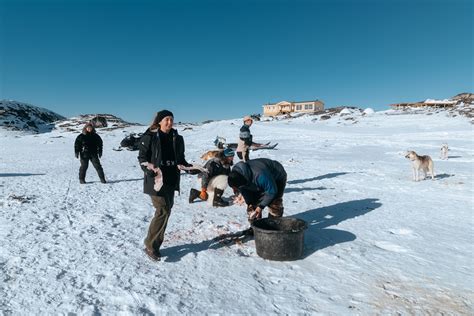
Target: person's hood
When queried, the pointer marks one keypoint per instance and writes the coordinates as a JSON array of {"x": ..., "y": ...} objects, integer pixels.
[
  {"x": 86, "y": 126},
  {"x": 244, "y": 170}
]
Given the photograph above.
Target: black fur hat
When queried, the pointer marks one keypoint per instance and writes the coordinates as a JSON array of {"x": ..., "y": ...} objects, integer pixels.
[{"x": 162, "y": 114}]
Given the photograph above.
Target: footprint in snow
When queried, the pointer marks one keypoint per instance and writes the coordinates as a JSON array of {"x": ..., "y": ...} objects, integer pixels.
[
  {"x": 390, "y": 247},
  {"x": 401, "y": 231}
]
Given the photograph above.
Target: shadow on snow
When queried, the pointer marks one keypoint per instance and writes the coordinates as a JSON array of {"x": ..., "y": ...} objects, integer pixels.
[
  {"x": 325, "y": 176},
  {"x": 443, "y": 176},
  {"x": 317, "y": 236},
  {"x": 124, "y": 180},
  {"x": 289, "y": 190},
  {"x": 20, "y": 174}
]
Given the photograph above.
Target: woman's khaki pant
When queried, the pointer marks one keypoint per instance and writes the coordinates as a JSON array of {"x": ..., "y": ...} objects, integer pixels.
[{"x": 156, "y": 230}]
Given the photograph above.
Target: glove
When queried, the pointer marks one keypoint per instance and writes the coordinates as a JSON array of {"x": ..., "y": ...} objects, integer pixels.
[
  {"x": 77, "y": 155},
  {"x": 193, "y": 172},
  {"x": 100, "y": 155},
  {"x": 150, "y": 173},
  {"x": 203, "y": 195}
]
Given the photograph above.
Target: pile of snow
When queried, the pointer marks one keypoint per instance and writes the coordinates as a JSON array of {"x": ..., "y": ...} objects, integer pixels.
[
  {"x": 21, "y": 116},
  {"x": 369, "y": 111},
  {"x": 377, "y": 242},
  {"x": 345, "y": 111}
]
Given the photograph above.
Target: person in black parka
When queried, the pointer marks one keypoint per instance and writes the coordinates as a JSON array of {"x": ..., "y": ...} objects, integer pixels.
[
  {"x": 163, "y": 148},
  {"x": 88, "y": 146}
]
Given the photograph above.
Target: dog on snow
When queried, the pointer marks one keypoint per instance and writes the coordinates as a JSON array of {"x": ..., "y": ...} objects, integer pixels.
[
  {"x": 211, "y": 154},
  {"x": 424, "y": 163},
  {"x": 217, "y": 182},
  {"x": 444, "y": 151}
]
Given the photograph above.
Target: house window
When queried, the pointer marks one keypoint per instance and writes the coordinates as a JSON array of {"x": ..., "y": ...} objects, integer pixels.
[
  {"x": 308, "y": 106},
  {"x": 298, "y": 107}
]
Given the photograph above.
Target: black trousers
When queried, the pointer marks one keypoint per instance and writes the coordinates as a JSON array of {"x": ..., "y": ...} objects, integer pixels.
[
  {"x": 243, "y": 155},
  {"x": 85, "y": 164}
]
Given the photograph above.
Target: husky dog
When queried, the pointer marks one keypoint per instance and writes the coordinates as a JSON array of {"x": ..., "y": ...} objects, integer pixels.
[
  {"x": 444, "y": 151},
  {"x": 219, "y": 142},
  {"x": 420, "y": 163},
  {"x": 211, "y": 154},
  {"x": 218, "y": 182}
]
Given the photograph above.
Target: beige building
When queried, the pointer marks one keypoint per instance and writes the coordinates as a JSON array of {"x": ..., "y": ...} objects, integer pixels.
[{"x": 285, "y": 107}]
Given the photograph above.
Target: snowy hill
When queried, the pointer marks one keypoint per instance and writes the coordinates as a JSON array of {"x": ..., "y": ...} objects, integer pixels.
[
  {"x": 20, "y": 116},
  {"x": 377, "y": 242},
  {"x": 26, "y": 117}
]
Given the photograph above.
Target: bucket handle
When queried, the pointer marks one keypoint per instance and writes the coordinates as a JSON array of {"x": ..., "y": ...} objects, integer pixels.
[{"x": 305, "y": 226}]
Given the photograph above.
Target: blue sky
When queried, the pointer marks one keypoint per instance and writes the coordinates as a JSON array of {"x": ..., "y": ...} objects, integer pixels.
[{"x": 224, "y": 59}]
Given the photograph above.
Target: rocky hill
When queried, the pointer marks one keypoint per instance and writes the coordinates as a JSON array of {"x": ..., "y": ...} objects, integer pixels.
[
  {"x": 21, "y": 116},
  {"x": 103, "y": 121},
  {"x": 26, "y": 117}
]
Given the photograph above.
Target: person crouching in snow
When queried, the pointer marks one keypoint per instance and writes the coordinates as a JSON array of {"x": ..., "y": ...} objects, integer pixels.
[
  {"x": 160, "y": 147},
  {"x": 214, "y": 180},
  {"x": 261, "y": 182},
  {"x": 88, "y": 146}
]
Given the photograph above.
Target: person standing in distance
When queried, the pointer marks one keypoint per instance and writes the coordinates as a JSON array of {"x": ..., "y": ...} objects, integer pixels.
[
  {"x": 245, "y": 139},
  {"x": 88, "y": 146}
]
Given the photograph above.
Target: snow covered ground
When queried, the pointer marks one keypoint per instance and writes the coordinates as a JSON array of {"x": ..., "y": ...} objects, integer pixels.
[{"x": 377, "y": 242}]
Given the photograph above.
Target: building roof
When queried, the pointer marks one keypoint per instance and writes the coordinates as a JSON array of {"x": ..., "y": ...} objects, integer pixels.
[{"x": 293, "y": 102}]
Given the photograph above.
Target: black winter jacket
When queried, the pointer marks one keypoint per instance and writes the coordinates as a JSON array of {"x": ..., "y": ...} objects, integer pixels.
[
  {"x": 150, "y": 151},
  {"x": 88, "y": 145},
  {"x": 245, "y": 135},
  {"x": 215, "y": 167}
]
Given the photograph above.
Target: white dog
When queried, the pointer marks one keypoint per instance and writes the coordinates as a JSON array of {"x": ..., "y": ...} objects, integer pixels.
[
  {"x": 217, "y": 182},
  {"x": 444, "y": 151},
  {"x": 420, "y": 163}
]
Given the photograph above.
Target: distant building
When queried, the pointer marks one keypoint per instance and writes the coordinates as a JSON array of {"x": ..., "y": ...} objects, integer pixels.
[
  {"x": 426, "y": 103},
  {"x": 285, "y": 107}
]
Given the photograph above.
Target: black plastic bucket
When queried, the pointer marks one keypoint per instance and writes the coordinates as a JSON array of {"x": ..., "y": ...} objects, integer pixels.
[{"x": 279, "y": 239}]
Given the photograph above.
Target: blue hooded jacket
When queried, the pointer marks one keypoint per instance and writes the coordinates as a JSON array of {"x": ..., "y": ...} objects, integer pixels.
[{"x": 264, "y": 178}]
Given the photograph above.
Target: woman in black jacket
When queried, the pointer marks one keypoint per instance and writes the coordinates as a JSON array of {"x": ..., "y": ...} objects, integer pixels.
[{"x": 161, "y": 147}]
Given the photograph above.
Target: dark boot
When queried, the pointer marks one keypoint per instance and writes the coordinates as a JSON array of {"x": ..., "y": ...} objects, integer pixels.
[
  {"x": 193, "y": 194},
  {"x": 153, "y": 255},
  {"x": 218, "y": 202},
  {"x": 82, "y": 181},
  {"x": 103, "y": 180}
]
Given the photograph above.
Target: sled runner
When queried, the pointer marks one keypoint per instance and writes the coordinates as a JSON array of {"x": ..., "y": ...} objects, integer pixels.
[
  {"x": 264, "y": 146},
  {"x": 220, "y": 143}
]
